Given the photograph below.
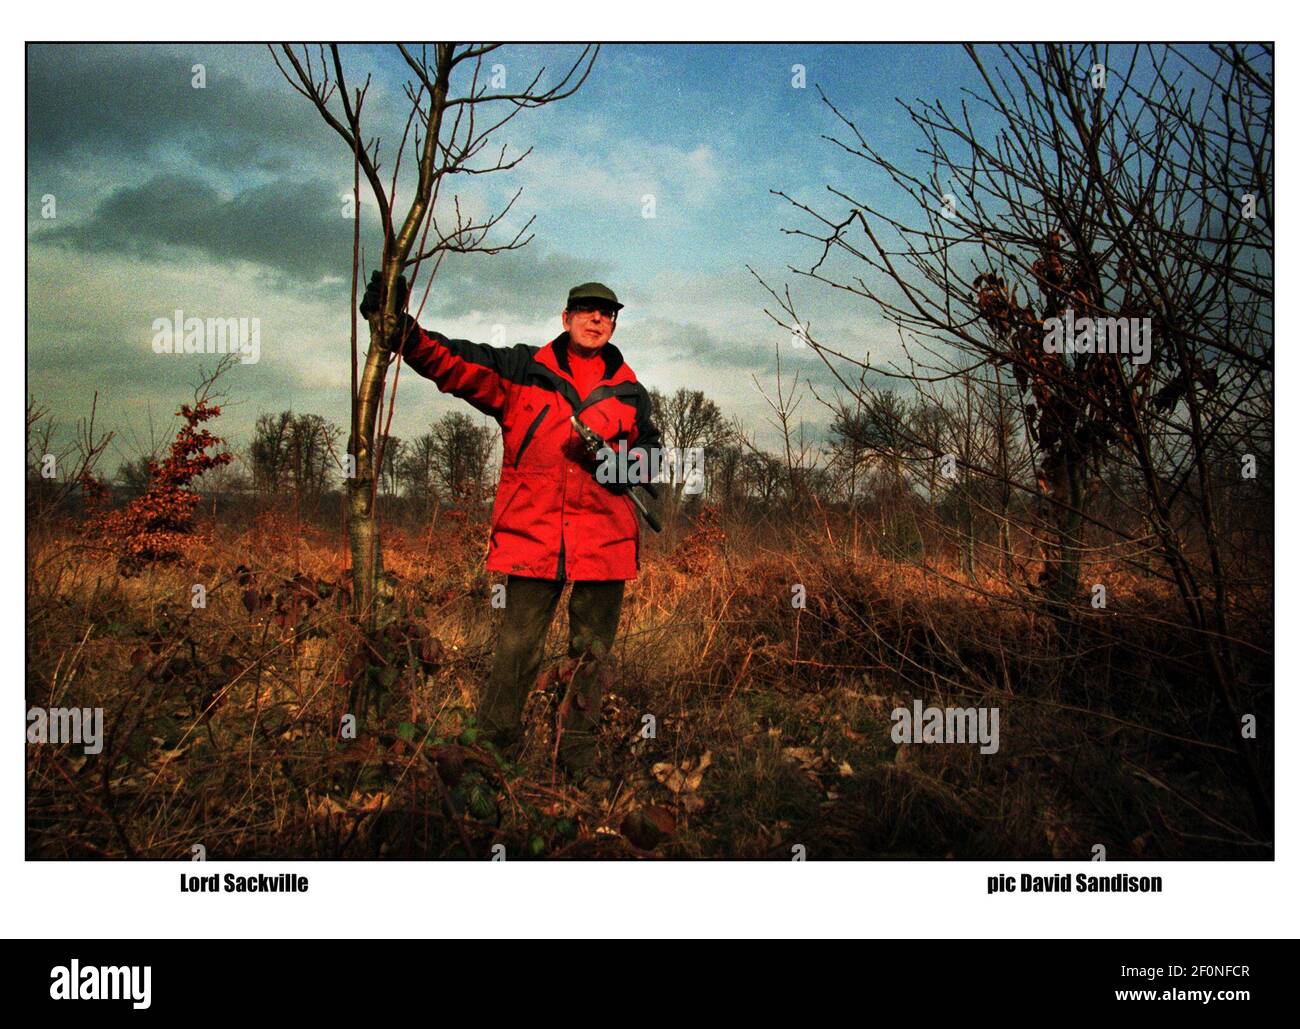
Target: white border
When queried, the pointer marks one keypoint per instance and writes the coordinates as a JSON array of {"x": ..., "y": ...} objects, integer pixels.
[{"x": 727, "y": 899}]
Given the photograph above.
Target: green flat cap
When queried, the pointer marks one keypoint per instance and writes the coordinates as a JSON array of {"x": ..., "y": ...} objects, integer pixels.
[{"x": 594, "y": 291}]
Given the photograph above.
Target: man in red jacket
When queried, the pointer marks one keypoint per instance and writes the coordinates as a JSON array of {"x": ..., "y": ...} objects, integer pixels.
[{"x": 552, "y": 521}]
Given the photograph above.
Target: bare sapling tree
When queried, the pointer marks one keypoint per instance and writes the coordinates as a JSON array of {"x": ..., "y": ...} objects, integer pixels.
[
  {"x": 55, "y": 474},
  {"x": 455, "y": 108}
]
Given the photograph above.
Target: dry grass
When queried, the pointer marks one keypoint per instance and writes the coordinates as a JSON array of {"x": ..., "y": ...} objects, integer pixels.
[{"x": 772, "y": 722}]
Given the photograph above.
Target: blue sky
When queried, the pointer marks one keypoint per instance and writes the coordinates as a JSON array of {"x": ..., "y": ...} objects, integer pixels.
[{"x": 224, "y": 202}]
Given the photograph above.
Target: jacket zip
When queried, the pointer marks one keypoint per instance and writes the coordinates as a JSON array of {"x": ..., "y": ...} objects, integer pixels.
[
  {"x": 528, "y": 436},
  {"x": 561, "y": 572}
]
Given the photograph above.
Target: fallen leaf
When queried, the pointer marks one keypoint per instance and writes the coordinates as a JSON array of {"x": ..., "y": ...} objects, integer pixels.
[{"x": 684, "y": 779}]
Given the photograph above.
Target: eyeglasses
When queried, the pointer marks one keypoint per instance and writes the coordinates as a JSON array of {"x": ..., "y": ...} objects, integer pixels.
[{"x": 587, "y": 307}]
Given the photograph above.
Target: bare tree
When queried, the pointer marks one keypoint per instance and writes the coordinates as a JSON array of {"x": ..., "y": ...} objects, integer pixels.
[
  {"x": 461, "y": 451},
  {"x": 688, "y": 419},
  {"x": 799, "y": 457},
  {"x": 293, "y": 454},
  {"x": 390, "y": 475},
  {"x": 268, "y": 453},
  {"x": 451, "y": 119},
  {"x": 417, "y": 470},
  {"x": 58, "y": 472},
  {"x": 1131, "y": 187}
]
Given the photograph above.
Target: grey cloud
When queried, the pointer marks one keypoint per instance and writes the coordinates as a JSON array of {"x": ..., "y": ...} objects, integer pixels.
[
  {"x": 294, "y": 228},
  {"x": 99, "y": 101},
  {"x": 699, "y": 345},
  {"x": 524, "y": 285},
  {"x": 669, "y": 354}
]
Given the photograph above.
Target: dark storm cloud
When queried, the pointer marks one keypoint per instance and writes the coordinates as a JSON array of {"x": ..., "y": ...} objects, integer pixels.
[
  {"x": 294, "y": 228},
  {"x": 103, "y": 102},
  {"x": 297, "y": 232},
  {"x": 189, "y": 170}
]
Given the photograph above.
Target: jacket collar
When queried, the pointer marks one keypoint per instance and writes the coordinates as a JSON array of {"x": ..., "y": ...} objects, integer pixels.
[{"x": 555, "y": 356}]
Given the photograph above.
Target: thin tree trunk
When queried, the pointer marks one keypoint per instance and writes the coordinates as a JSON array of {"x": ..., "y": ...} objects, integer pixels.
[{"x": 363, "y": 525}]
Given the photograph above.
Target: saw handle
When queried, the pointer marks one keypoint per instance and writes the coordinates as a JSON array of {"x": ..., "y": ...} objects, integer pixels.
[{"x": 594, "y": 443}]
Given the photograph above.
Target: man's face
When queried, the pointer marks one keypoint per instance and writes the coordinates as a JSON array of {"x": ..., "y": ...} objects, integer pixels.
[{"x": 590, "y": 324}]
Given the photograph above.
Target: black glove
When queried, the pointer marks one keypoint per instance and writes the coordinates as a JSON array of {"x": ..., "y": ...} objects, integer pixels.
[
  {"x": 370, "y": 302},
  {"x": 406, "y": 325}
]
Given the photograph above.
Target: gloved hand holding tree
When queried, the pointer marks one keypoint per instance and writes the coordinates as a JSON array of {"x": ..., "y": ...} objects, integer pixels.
[{"x": 372, "y": 304}]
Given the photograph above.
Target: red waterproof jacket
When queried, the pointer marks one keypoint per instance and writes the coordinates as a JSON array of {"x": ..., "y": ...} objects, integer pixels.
[{"x": 552, "y": 519}]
